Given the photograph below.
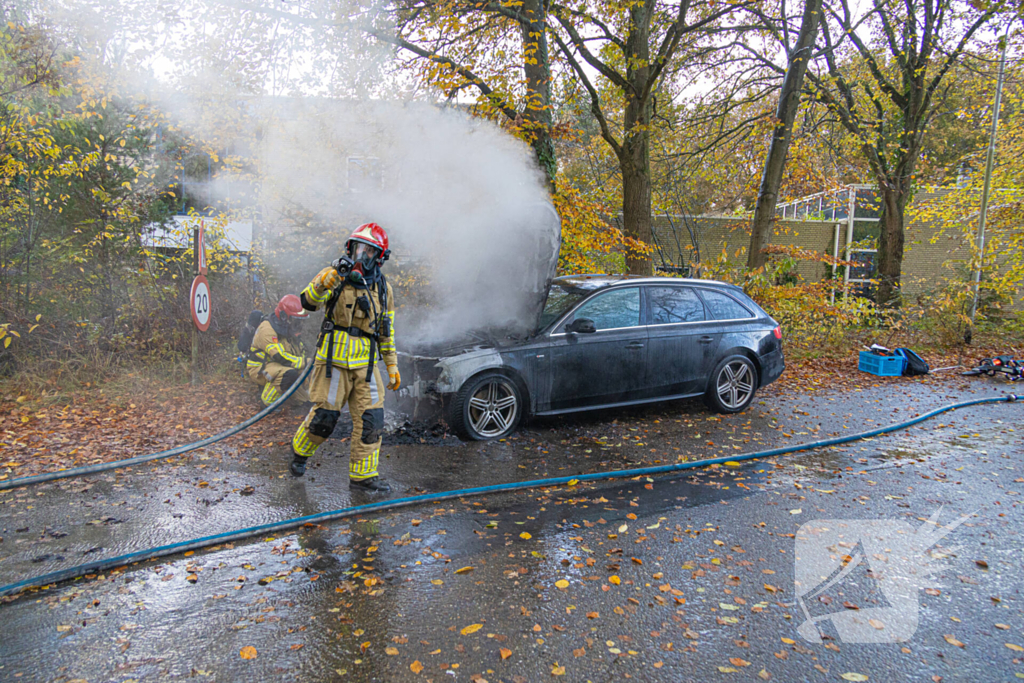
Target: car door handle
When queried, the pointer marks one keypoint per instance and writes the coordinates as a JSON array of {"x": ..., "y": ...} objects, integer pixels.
[
  {"x": 635, "y": 345},
  {"x": 706, "y": 339}
]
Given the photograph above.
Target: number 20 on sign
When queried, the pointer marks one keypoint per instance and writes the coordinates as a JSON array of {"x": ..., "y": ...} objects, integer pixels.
[{"x": 201, "y": 312}]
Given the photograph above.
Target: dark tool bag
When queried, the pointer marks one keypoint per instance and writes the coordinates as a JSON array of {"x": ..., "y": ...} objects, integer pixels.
[{"x": 915, "y": 365}]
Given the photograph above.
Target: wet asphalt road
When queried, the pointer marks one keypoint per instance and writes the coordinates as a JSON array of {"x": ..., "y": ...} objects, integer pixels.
[{"x": 519, "y": 587}]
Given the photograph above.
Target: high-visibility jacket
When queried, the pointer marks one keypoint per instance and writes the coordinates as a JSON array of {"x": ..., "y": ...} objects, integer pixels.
[
  {"x": 353, "y": 350},
  {"x": 268, "y": 348}
]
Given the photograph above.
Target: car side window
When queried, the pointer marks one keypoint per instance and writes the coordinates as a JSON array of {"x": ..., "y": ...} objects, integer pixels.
[
  {"x": 723, "y": 306},
  {"x": 617, "y": 308},
  {"x": 674, "y": 305}
]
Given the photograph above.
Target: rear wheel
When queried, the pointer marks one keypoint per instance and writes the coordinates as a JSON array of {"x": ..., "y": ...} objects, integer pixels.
[
  {"x": 732, "y": 385},
  {"x": 487, "y": 407}
]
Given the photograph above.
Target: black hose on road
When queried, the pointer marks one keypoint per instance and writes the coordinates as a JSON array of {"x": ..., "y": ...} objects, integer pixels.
[{"x": 162, "y": 551}]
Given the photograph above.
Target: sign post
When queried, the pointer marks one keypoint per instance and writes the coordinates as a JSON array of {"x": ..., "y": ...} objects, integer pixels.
[{"x": 199, "y": 296}]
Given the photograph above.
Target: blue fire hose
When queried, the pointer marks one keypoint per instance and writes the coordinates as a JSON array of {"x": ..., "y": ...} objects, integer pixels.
[
  {"x": 117, "y": 464},
  {"x": 162, "y": 551}
]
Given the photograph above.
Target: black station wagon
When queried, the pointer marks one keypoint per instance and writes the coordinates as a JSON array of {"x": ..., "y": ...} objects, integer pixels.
[{"x": 603, "y": 342}]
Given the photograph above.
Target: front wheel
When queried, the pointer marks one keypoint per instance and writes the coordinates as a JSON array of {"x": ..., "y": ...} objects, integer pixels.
[
  {"x": 487, "y": 407},
  {"x": 732, "y": 385}
]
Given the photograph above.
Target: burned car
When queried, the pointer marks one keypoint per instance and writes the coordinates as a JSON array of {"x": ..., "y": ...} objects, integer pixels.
[{"x": 604, "y": 342}]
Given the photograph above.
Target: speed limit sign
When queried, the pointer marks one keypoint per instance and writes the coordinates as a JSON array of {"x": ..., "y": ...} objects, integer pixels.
[{"x": 201, "y": 303}]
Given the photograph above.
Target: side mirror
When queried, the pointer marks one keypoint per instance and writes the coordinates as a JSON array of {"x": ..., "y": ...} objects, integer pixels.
[{"x": 581, "y": 325}]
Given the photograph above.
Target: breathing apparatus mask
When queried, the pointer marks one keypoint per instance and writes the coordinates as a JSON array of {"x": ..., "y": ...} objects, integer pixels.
[
  {"x": 287, "y": 325},
  {"x": 359, "y": 264}
]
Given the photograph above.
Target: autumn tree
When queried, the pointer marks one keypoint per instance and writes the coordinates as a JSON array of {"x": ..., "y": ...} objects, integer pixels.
[
  {"x": 884, "y": 72},
  {"x": 499, "y": 49},
  {"x": 633, "y": 46}
]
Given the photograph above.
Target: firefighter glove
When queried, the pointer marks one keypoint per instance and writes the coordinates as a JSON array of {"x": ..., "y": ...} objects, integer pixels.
[
  {"x": 326, "y": 280},
  {"x": 396, "y": 379}
]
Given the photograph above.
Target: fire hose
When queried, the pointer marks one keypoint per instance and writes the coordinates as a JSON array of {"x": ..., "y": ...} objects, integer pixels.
[
  {"x": 121, "y": 561},
  {"x": 178, "y": 450}
]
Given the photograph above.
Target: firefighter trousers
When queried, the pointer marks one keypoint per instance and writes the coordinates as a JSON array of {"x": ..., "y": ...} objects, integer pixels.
[
  {"x": 273, "y": 374},
  {"x": 365, "y": 402}
]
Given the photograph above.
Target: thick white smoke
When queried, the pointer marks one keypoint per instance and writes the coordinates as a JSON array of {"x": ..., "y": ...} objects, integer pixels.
[
  {"x": 463, "y": 203},
  {"x": 336, "y": 138}
]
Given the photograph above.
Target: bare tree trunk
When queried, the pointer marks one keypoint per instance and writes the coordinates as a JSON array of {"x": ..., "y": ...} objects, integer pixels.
[
  {"x": 636, "y": 207},
  {"x": 775, "y": 162},
  {"x": 537, "y": 115},
  {"x": 890, "y": 244},
  {"x": 635, "y": 154}
]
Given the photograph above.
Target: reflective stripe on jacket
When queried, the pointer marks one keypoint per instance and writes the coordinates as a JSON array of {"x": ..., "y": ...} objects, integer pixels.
[
  {"x": 350, "y": 351},
  {"x": 268, "y": 348}
]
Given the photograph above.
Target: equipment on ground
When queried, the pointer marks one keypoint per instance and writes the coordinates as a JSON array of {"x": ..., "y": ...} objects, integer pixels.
[
  {"x": 1008, "y": 366},
  {"x": 914, "y": 365}
]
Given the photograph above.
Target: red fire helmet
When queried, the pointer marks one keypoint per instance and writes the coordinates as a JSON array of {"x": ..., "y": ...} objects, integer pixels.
[
  {"x": 291, "y": 306},
  {"x": 372, "y": 234}
]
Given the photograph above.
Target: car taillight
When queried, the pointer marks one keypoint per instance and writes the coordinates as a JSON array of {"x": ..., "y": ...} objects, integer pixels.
[{"x": 778, "y": 332}]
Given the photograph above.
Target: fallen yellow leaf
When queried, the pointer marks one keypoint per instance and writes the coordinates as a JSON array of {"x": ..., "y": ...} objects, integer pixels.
[
  {"x": 854, "y": 677},
  {"x": 525, "y": 536},
  {"x": 438, "y": 582},
  {"x": 472, "y": 628},
  {"x": 1015, "y": 648},
  {"x": 505, "y": 653},
  {"x": 557, "y": 670},
  {"x": 736, "y": 661},
  {"x": 391, "y": 650},
  {"x": 248, "y": 652},
  {"x": 561, "y": 583},
  {"x": 463, "y": 570},
  {"x": 952, "y": 641},
  {"x": 614, "y": 579},
  {"x": 788, "y": 641},
  {"x": 416, "y": 667}
]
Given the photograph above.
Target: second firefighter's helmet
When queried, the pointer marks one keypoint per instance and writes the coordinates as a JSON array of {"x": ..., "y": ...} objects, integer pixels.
[
  {"x": 368, "y": 246},
  {"x": 290, "y": 307}
]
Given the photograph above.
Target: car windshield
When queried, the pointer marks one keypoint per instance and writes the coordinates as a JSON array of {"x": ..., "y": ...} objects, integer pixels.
[{"x": 561, "y": 297}]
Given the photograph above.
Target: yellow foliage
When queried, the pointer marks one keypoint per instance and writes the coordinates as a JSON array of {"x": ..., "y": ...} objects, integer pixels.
[{"x": 590, "y": 244}]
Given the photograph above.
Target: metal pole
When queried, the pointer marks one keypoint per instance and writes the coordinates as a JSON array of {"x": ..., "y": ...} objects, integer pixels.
[
  {"x": 990, "y": 159},
  {"x": 195, "y": 332}
]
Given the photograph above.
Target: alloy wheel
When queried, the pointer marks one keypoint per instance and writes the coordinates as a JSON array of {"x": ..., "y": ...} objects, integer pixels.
[
  {"x": 492, "y": 408},
  {"x": 735, "y": 384}
]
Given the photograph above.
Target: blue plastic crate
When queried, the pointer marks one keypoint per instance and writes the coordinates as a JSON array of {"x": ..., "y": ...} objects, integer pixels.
[{"x": 883, "y": 366}]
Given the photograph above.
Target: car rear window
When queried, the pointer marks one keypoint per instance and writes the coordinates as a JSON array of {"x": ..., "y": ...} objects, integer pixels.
[
  {"x": 724, "y": 307},
  {"x": 674, "y": 305},
  {"x": 617, "y": 308}
]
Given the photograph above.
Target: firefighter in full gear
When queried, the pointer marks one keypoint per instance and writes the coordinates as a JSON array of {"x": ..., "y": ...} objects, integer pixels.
[
  {"x": 275, "y": 358},
  {"x": 359, "y": 315}
]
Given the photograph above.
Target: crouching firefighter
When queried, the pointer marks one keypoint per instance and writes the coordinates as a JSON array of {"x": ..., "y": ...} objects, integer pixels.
[
  {"x": 359, "y": 315},
  {"x": 275, "y": 358}
]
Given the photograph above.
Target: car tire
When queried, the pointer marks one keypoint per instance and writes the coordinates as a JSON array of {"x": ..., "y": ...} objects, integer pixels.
[
  {"x": 732, "y": 385},
  {"x": 487, "y": 407}
]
